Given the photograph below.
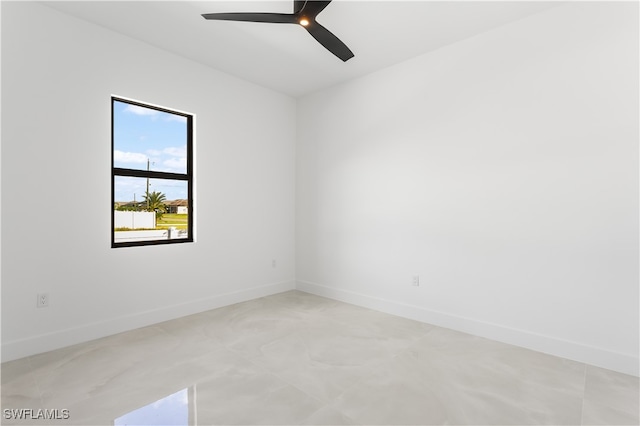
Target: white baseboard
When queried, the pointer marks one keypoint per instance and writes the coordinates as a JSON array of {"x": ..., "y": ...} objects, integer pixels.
[
  {"x": 620, "y": 362},
  {"x": 21, "y": 348}
]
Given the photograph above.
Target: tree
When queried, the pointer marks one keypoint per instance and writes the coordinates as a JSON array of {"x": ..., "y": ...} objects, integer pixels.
[{"x": 155, "y": 203}]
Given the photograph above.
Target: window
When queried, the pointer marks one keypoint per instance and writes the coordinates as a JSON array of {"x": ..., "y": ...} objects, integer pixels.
[{"x": 152, "y": 175}]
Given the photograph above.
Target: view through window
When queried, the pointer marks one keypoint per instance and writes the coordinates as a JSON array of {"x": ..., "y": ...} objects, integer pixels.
[
  {"x": 175, "y": 409},
  {"x": 152, "y": 177}
]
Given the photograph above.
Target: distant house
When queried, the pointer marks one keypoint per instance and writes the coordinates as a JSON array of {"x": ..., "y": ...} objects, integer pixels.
[
  {"x": 173, "y": 206},
  {"x": 177, "y": 206}
]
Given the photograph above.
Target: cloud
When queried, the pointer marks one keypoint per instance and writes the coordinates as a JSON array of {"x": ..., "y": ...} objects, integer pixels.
[
  {"x": 176, "y": 163},
  {"x": 129, "y": 157},
  {"x": 138, "y": 110},
  {"x": 154, "y": 113},
  {"x": 174, "y": 117},
  {"x": 176, "y": 151}
]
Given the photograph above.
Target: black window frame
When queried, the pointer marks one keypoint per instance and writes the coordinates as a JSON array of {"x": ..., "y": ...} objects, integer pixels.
[{"x": 152, "y": 174}]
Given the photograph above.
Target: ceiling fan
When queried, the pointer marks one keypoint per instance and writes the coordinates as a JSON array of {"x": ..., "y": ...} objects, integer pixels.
[{"x": 304, "y": 14}]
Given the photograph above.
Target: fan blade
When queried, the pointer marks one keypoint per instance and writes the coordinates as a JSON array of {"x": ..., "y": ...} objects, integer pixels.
[
  {"x": 312, "y": 8},
  {"x": 330, "y": 41},
  {"x": 274, "y": 18}
]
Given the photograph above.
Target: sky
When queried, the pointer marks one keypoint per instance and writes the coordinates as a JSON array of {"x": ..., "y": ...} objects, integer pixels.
[{"x": 144, "y": 135}]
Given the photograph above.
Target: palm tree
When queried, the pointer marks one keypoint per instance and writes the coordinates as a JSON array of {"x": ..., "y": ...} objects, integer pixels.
[{"x": 155, "y": 202}]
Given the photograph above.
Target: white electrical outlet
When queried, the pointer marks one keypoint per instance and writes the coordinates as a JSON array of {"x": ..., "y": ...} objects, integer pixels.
[
  {"x": 415, "y": 281},
  {"x": 273, "y": 263},
  {"x": 43, "y": 300}
]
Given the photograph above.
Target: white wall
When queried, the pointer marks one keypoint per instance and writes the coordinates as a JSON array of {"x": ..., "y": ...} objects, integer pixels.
[
  {"x": 58, "y": 74},
  {"x": 503, "y": 170}
]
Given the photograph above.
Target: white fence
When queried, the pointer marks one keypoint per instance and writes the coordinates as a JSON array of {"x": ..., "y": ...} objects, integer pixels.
[
  {"x": 134, "y": 220},
  {"x": 151, "y": 235}
]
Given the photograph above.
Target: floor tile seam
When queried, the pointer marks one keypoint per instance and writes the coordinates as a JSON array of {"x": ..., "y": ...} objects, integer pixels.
[
  {"x": 159, "y": 333},
  {"x": 253, "y": 362},
  {"x": 34, "y": 380},
  {"x": 626, "y": 410},
  {"x": 324, "y": 403},
  {"x": 67, "y": 359},
  {"x": 123, "y": 373},
  {"x": 419, "y": 339},
  {"x": 338, "y": 322},
  {"x": 584, "y": 391},
  {"x": 424, "y": 334},
  {"x": 260, "y": 367},
  {"x": 618, "y": 411},
  {"x": 373, "y": 364},
  {"x": 213, "y": 374},
  {"x": 94, "y": 391},
  {"x": 228, "y": 346},
  {"x": 374, "y": 368},
  {"x": 351, "y": 419},
  {"x": 116, "y": 391},
  {"x": 294, "y": 306},
  {"x": 182, "y": 361},
  {"x": 476, "y": 340},
  {"x": 396, "y": 353},
  {"x": 287, "y": 383}
]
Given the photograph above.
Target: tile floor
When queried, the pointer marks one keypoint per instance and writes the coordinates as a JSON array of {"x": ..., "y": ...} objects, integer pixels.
[{"x": 295, "y": 358}]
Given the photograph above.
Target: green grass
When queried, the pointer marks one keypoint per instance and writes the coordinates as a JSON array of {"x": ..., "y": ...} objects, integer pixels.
[{"x": 179, "y": 221}]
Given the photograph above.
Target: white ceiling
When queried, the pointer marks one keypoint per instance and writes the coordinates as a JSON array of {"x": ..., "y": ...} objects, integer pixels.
[{"x": 285, "y": 57}]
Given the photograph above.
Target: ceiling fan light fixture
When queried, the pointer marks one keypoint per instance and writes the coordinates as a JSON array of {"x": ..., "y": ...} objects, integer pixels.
[{"x": 305, "y": 13}]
